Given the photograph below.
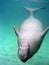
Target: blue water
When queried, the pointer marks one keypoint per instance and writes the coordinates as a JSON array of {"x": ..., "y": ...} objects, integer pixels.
[{"x": 13, "y": 12}]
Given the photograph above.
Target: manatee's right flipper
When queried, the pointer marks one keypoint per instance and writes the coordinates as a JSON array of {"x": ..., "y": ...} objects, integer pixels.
[
  {"x": 16, "y": 31},
  {"x": 45, "y": 31}
]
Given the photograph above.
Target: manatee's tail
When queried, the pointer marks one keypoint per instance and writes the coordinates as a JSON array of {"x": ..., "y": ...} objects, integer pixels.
[{"x": 32, "y": 11}]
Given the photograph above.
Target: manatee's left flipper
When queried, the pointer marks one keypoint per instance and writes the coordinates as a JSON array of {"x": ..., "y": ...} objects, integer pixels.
[
  {"x": 16, "y": 31},
  {"x": 45, "y": 31}
]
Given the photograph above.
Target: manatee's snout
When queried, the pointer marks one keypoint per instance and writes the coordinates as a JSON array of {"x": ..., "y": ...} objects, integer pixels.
[
  {"x": 23, "y": 53},
  {"x": 23, "y": 57}
]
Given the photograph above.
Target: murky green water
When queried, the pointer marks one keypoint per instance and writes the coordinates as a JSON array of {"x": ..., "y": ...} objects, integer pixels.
[{"x": 12, "y": 12}]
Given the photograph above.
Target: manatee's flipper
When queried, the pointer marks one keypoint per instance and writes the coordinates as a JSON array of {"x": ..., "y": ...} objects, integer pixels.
[
  {"x": 34, "y": 10},
  {"x": 45, "y": 31},
  {"x": 16, "y": 31}
]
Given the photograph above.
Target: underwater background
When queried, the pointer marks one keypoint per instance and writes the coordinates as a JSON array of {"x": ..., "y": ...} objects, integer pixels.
[{"x": 13, "y": 12}]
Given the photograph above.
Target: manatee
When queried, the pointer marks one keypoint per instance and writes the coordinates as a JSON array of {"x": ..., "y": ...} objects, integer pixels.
[{"x": 30, "y": 35}]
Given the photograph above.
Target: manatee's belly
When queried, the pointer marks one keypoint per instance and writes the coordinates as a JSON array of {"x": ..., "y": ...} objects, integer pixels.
[
  {"x": 31, "y": 25},
  {"x": 30, "y": 28}
]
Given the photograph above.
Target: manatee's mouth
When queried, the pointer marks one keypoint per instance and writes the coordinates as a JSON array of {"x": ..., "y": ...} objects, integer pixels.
[{"x": 24, "y": 59}]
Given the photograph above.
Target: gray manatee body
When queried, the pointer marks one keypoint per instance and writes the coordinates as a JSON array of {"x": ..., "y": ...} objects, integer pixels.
[{"x": 30, "y": 36}]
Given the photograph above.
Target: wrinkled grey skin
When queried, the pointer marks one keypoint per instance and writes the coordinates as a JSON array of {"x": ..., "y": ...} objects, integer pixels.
[{"x": 30, "y": 36}]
